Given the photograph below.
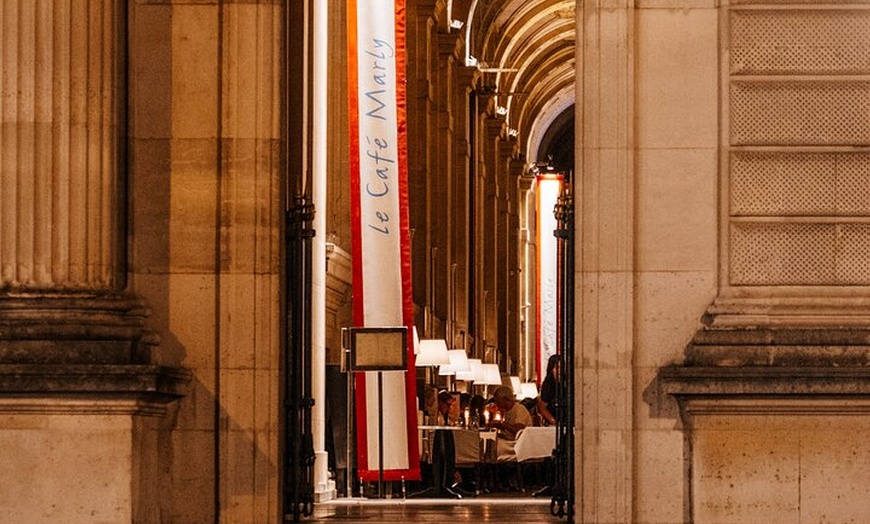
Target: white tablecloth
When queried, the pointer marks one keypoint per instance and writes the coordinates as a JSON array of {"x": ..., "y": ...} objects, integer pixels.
[
  {"x": 467, "y": 444},
  {"x": 535, "y": 442},
  {"x": 470, "y": 444}
]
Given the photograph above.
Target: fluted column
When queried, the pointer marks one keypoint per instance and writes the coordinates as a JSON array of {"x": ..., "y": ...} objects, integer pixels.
[
  {"x": 59, "y": 145},
  {"x": 76, "y": 363},
  {"x": 419, "y": 155},
  {"x": 62, "y": 136}
]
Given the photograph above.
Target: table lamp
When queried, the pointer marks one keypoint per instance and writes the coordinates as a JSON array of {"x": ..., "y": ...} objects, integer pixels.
[
  {"x": 491, "y": 377},
  {"x": 433, "y": 352},
  {"x": 474, "y": 373},
  {"x": 530, "y": 390}
]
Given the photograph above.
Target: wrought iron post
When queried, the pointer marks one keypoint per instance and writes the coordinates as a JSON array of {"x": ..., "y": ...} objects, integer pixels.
[
  {"x": 299, "y": 443},
  {"x": 562, "y": 503}
]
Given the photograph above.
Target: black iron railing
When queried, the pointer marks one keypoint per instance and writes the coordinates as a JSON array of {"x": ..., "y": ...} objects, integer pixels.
[
  {"x": 299, "y": 443},
  {"x": 562, "y": 503}
]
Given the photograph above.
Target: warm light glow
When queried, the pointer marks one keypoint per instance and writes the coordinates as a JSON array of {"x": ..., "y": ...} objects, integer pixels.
[
  {"x": 529, "y": 390},
  {"x": 516, "y": 386},
  {"x": 458, "y": 363},
  {"x": 433, "y": 352},
  {"x": 474, "y": 373},
  {"x": 491, "y": 375},
  {"x": 548, "y": 188}
]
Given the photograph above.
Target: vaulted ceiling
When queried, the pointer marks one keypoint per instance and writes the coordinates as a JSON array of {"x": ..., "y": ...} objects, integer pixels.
[{"x": 525, "y": 51}]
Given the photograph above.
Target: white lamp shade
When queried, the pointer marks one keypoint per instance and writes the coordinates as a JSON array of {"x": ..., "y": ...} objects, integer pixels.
[
  {"x": 491, "y": 375},
  {"x": 516, "y": 385},
  {"x": 416, "y": 341},
  {"x": 529, "y": 389},
  {"x": 458, "y": 363},
  {"x": 433, "y": 352},
  {"x": 477, "y": 369},
  {"x": 474, "y": 373}
]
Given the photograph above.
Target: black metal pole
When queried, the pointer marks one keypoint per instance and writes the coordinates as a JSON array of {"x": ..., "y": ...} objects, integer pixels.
[
  {"x": 568, "y": 322},
  {"x": 380, "y": 434},
  {"x": 299, "y": 462},
  {"x": 562, "y": 503}
]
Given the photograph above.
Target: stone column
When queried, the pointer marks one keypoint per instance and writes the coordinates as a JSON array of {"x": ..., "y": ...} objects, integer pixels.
[
  {"x": 76, "y": 371},
  {"x": 59, "y": 174},
  {"x": 442, "y": 184},
  {"x": 463, "y": 79},
  {"x": 419, "y": 156},
  {"x": 604, "y": 319},
  {"x": 514, "y": 305},
  {"x": 527, "y": 282},
  {"x": 488, "y": 227}
]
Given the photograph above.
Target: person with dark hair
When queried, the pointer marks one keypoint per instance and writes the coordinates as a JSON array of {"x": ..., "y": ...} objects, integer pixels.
[
  {"x": 546, "y": 404},
  {"x": 549, "y": 414}
]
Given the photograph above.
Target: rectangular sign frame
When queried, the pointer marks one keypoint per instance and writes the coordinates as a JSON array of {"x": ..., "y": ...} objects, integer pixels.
[{"x": 378, "y": 349}]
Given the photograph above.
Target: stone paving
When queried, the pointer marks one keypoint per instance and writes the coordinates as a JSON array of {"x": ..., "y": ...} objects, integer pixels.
[{"x": 505, "y": 510}]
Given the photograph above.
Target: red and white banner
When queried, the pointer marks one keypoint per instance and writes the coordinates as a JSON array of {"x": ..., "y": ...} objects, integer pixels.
[
  {"x": 548, "y": 187},
  {"x": 381, "y": 236}
]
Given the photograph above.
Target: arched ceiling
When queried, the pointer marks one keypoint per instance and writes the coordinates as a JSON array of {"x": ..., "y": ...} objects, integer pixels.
[{"x": 525, "y": 52}]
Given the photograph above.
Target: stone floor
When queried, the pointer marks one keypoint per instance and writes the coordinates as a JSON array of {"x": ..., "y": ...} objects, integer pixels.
[
  {"x": 503, "y": 509},
  {"x": 507, "y": 497}
]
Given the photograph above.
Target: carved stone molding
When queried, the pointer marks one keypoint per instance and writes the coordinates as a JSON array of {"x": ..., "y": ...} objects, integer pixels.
[
  {"x": 92, "y": 346},
  {"x": 830, "y": 347},
  {"x": 75, "y": 329},
  {"x": 141, "y": 389},
  {"x": 789, "y": 312},
  {"x": 687, "y": 383},
  {"x": 773, "y": 368}
]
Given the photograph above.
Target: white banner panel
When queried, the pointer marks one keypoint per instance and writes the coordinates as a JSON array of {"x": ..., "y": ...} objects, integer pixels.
[
  {"x": 381, "y": 250},
  {"x": 547, "y": 190}
]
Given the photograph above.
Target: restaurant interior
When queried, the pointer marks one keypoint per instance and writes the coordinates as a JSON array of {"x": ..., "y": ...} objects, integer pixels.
[{"x": 456, "y": 402}]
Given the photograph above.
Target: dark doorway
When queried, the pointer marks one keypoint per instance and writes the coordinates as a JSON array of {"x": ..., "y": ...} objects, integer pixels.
[{"x": 557, "y": 146}]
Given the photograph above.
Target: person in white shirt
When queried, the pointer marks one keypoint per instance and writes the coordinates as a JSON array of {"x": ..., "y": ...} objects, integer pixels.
[{"x": 515, "y": 416}]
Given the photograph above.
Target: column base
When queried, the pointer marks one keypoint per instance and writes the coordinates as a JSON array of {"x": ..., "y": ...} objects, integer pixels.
[
  {"x": 82, "y": 448},
  {"x": 324, "y": 487},
  {"x": 81, "y": 409},
  {"x": 775, "y": 422}
]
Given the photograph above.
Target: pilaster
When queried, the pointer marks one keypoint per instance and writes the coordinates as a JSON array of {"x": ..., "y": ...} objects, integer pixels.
[
  {"x": 504, "y": 262},
  {"x": 461, "y": 199},
  {"x": 489, "y": 228},
  {"x": 604, "y": 185}
]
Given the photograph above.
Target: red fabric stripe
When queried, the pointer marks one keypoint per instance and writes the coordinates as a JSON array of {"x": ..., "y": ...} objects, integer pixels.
[
  {"x": 413, "y": 473},
  {"x": 353, "y": 127},
  {"x": 356, "y": 233},
  {"x": 539, "y": 372}
]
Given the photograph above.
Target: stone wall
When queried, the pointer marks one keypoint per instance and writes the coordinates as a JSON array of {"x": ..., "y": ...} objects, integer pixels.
[{"x": 206, "y": 197}]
